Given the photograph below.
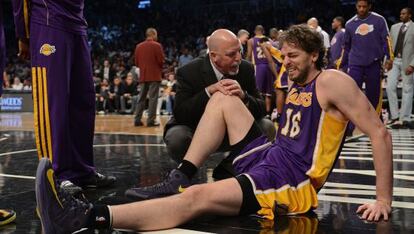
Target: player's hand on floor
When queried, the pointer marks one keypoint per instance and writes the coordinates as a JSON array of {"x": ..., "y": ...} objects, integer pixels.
[{"x": 373, "y": 212}]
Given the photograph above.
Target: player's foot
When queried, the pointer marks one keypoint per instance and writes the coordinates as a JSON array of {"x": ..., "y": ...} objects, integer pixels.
[
  {"x": 59, "y": 211},
  {"x": 175, "y": 183},
  {"x": 98, "y": 180},
  {"x": 70, "y": 187},
  {"x": 7, "y": 216}
]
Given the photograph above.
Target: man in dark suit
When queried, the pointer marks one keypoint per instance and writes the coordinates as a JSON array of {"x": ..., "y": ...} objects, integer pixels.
[{"x": 222, "y": 70}]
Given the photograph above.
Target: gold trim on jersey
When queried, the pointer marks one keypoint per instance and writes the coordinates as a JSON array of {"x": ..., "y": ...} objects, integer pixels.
[
  {"x": 286, "y": 200},
  {"x": 330, "y": 133}
]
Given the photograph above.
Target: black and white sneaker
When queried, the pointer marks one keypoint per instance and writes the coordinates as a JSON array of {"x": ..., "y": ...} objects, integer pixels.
[{"x": 98, "y": 180}]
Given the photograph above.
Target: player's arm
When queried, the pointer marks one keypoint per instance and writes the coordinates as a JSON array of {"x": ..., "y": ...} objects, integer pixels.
[
  {"x": 21, "y": 22},
  {"x": 160, "y": 55},
  {"x": 346, "y": 47},
  {"x": 249, "y": 50},
  {"x": 386, "y": 40},
  {"x": 341, "y": 93}
]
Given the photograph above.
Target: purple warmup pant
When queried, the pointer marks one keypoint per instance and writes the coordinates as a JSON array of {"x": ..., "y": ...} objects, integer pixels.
[
  {"x": 264, "y": 79},
  {"x": 64, "y": 101},
  {"x": 371, "y": 76}
]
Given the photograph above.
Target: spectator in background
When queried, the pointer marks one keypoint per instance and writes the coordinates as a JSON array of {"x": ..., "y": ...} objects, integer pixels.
[
  {"x": 114, "y": 95},
  {"x": 128, "y": 94},
  {"x": 314, "y": 24},
  {"x": 107, "y": 72},
  {"x": 149, "y": 58},
  {"x": 17, "y": 84},
  {"x": 243, "y": 36},
  {"x": 27, "y": 85},
  {"x": 337, "y": 42},
  {"x": 170, "y": 92},
  {"x": 185, "y": 57},
  {"x": 122, "y": 72},
  {"x": 102, "y": 97}
]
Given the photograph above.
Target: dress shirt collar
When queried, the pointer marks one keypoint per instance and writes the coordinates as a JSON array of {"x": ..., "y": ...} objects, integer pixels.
[{"x": 218, "y": 74}]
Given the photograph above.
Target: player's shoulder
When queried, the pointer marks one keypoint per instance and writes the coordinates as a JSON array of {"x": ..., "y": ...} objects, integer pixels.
[
  {"x": 375, "y": 14},
  {"x": 333, "y": 77},
  {"x": 351, "y": 20}
]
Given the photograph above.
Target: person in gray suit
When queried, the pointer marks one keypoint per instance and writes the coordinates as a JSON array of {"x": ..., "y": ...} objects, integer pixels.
[{"x": 402, "y": 35}]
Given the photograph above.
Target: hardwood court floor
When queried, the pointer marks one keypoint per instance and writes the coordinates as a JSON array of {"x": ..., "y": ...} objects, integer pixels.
[{"x": 137, "y": 156}]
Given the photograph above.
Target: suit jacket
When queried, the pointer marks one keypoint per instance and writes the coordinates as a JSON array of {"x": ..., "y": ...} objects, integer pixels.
[
  {"x": 191, "y": 98},
  {"x": 408, "y": 45},
  {"x": 149, "y": 57}
]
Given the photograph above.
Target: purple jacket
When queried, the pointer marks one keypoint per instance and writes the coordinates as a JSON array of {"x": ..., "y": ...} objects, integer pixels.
[
  {"x": 65, "y": 15},
  {"x": 366, "y": 40}
]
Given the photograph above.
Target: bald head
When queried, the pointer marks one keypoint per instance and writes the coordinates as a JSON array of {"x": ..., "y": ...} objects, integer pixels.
[
  {"x": 220, "y": 38},
  {"x": 313, "y": 23},
  {"x": 224, "y": 51}
]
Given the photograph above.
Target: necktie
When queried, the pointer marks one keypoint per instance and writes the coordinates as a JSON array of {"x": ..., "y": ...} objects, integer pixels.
[{"x": 403, "y": 28}]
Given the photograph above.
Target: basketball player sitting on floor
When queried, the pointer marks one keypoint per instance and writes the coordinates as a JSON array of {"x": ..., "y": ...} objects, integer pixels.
[{"x": 273, "y": 179}]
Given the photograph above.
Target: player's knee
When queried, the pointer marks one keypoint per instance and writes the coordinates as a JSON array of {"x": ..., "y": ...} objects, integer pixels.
[{"x": 219, "y": 99}]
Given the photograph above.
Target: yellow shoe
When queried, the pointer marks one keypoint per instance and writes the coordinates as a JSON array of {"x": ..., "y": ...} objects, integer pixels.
[{"x": 7, "y": 216}]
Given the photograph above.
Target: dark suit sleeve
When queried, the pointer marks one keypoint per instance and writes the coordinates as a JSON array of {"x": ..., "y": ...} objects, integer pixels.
[
  {"x": 255, "y": 102},
  {"x": 189, "y": 105}
]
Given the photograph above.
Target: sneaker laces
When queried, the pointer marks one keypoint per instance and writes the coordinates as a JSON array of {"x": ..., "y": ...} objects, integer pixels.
[
  {"x": 159, "y": 187},
  {"x": 69, "y": 201}
]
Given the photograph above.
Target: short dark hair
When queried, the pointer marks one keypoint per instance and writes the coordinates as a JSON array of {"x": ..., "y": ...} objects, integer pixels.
[
  {"x": 409, "y": 10},
  {"x": 367, "y": 1},
  {"x": 306, "y": 39},
  {"x": 341, "y": 20},
  {"x": 259, "y": 28}
]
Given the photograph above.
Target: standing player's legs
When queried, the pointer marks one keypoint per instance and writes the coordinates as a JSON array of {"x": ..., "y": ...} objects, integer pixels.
[
  {"x": 81, "y": 110},
  {"x": 392, "y": 81},
  {"x": 373, "y": 86},
  {"x": 264, "y": 82},
  {"x": 357, "y": 73},
  {"x": 63, "y": 130},
  {"x": 281, "y": 87}
]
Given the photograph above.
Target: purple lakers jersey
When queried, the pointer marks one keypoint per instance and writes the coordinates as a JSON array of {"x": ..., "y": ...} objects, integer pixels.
[
  {"x": 258, "y": 55},
  {"x": 311, "y": 137}
]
